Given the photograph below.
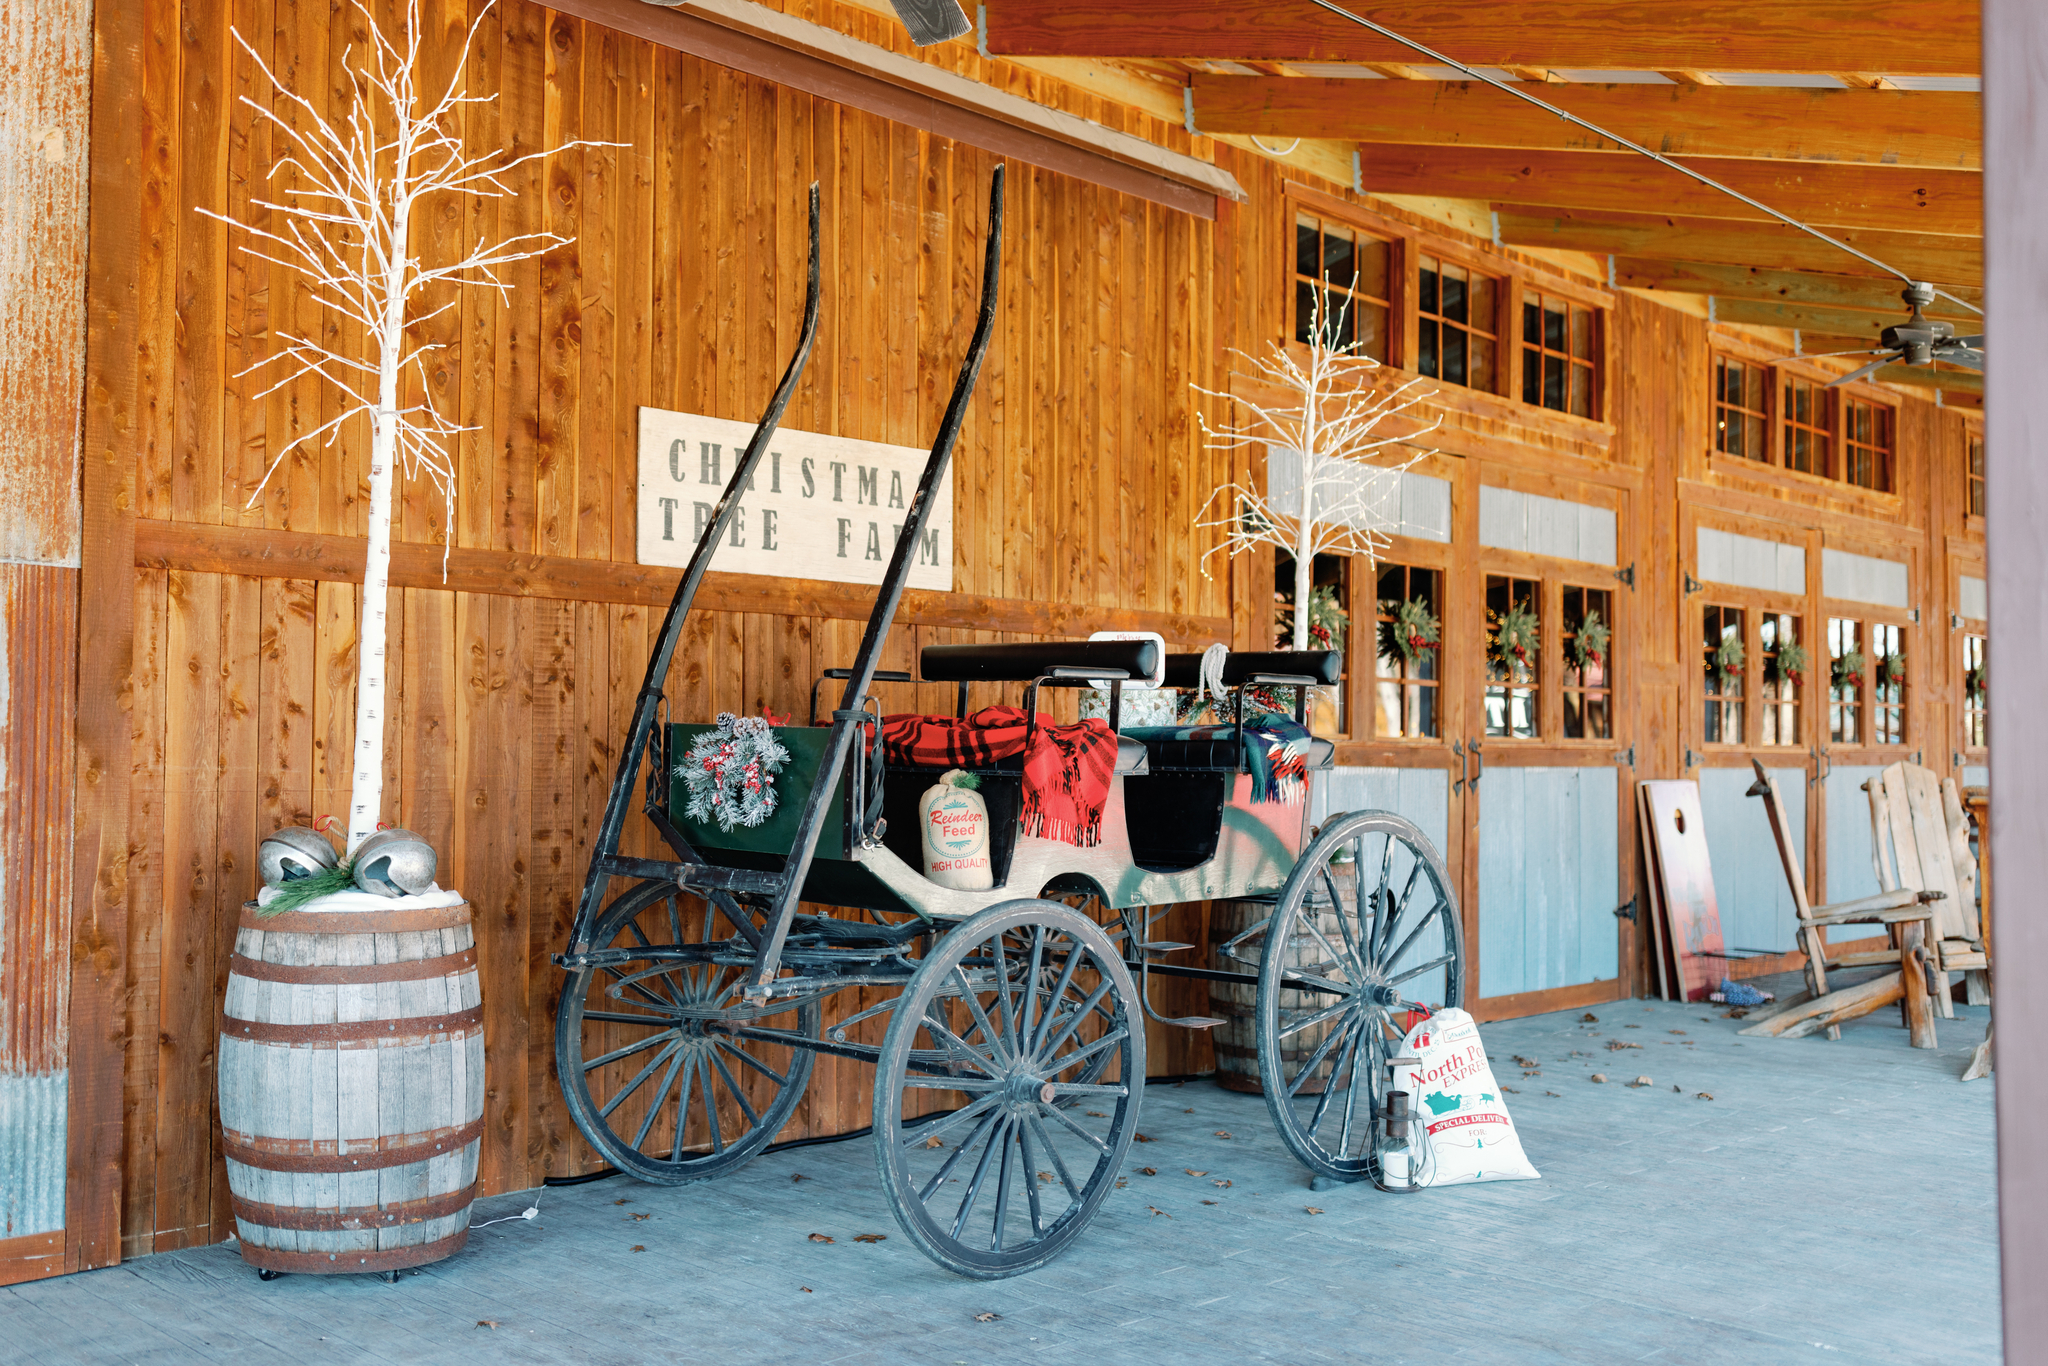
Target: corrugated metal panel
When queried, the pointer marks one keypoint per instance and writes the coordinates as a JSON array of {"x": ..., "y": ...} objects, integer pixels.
[
  {"x": 45, "y": 52},
  {"x": 1863, "y": 578},
  {"x": 1749, "y": 885},
  {"x": 32, "y": 1115},
  {"x": 1851, "y": 874},
  {"x": 1548, "y": 878}
]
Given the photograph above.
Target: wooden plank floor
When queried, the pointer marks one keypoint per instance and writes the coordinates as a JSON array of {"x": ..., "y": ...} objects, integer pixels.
[{"x": 1803, "y": 1214}]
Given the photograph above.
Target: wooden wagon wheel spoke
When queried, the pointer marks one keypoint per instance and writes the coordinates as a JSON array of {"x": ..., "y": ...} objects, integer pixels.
[
  {"x": 685, "y": 1029},
  {"x": 962, "y": 1206},
  {"x": 1322, "y": 1064}
]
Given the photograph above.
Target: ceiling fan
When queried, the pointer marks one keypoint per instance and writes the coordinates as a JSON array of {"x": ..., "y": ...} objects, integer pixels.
[
  {"x": 1915, "y": 341},
  {"x": 931, "y": 21}
]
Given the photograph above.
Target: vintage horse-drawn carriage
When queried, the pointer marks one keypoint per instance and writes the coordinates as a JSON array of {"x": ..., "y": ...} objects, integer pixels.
[{"x": 1006, "y": 1026}]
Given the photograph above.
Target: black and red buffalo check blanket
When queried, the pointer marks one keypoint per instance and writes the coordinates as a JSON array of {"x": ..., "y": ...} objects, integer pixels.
[{"x": 1066, "y": 771}]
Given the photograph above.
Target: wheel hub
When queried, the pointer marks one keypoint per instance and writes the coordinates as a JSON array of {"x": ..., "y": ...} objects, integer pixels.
[{"x": 1023, "y": 1089}]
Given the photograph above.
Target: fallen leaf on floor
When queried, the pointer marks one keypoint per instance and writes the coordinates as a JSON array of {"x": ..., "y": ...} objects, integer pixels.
[
  {"x": 1046, "y": 1177},
  {"x": 1521, "y": 1061},
  {"x": 1221, "y": 1185},
  {"x": 1641, "y": 1081},
  {"x": 1631, "y": 1026},
  {"x": 1511, "y": 1090},
  {"x": 1679, "y": 1089},
  {"x": 1536, "y": 1072},
  {"x": 1706, "y": 1095},
  {"x": 798, "y": 1176},
  {"x": 1553, "y": 1093},
  {"x": 1599, "y": 1076},
  {"x": 1616, "y": 1045},
  {"x": 639, "y": 1217},
  {"x": 1187, "y": 1112},
  {"x": 1208, "y": 1202},
  {"x": 1311, "y": 1209},
  {"x": 1140, "y": 1138},
  {"x": 487, "y": 1323},
  {"x": 1097, "y": 1114},
  {"x": 1675, "y": 1031},
  {"x": 820, "y": 1238},
  {"x": 1223, "y": 1133},
  {"x": 1589, "y": 1018},
  {"x": 934, "y": 1142},
  {"x": 987, "y": 1316},
  {"x": 1156, "y": 1210},
  {"x": 1148, "y": 1171},
  {"x": 1192, "y": 1172},
  {"x": 622, "y": 1202},
  {"x": 1121, "y": 1182},
  {"x": 807, "y": 1290},
  {"x": 641, "y": 1247},
  {"x": 1739, "y": 1013},
  {"x": 871, "y": 1237}
]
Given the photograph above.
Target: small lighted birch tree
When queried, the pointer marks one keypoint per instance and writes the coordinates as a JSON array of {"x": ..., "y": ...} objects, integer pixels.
[
  {"x": 360, "y": 181},
  {"x": 1331, "y": 422}
]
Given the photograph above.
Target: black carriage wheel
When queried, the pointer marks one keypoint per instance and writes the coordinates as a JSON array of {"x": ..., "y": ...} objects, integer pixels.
[
  {"x": 1014, "y": 1135},
  {"x": 1365, "y": 931},
  {"x": 653, "y": 1075}
]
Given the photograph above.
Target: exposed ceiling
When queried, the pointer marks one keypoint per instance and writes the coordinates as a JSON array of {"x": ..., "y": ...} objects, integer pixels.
[{"x": 1887, "y": 156}]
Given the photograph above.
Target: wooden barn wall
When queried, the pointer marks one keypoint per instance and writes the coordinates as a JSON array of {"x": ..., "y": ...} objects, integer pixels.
[{"x": 1076, "y": 482}]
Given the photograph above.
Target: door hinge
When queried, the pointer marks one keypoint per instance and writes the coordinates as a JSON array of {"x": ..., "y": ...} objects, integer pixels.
[
  {"x": 1626, "y": 910},
  {"x": 1914, "y": 615},
  {"x": 1955, "y": 621},
  {"x": 1627, "y": 576},
  {"x": 1626, "y": 756},
  {"x": 1692, "y": 585},
  {"x": 1916, "y": 758},
  {"x": 1692, "y": 760}
]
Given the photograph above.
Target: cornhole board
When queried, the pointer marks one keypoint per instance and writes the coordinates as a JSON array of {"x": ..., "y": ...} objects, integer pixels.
[{"x": 1683, "y": 884}]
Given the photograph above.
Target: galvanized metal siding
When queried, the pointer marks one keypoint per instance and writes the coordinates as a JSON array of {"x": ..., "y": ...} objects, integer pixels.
[
  {"x": 1749, "y": 883},
  {"x": 1548, "y": 878},
  {"x": 1850, "y": 872},
  {"x": 38, "y": 621},
  {"x": 45, "y": 49},
  {"x": 1421, "y": 794}
]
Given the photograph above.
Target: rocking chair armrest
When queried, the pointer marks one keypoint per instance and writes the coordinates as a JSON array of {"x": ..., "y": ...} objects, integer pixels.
[{"x": 1886, "y": 908}]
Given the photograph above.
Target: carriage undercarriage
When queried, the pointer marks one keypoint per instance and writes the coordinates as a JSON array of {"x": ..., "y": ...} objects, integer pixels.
[{"x": 1006, "y": 1027}]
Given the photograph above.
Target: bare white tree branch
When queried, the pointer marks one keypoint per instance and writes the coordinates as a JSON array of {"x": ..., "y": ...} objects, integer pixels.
[
  {"x": 356, "y": 183},
  {"x": 1332, "y": 430}
]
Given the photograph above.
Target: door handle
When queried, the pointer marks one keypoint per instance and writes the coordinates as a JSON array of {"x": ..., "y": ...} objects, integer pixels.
[
  {"x": 1478, "y": 765},
  {"x": 1458, "y": 748}
]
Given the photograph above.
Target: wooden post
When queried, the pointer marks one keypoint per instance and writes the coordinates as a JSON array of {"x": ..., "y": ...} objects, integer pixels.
[{"x": 2016, "y": 432}]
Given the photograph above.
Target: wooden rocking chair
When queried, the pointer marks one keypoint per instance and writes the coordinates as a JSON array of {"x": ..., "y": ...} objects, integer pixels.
[
  {"x": 1920, "y": 841},
  {"x": 1904, "y": 911}
]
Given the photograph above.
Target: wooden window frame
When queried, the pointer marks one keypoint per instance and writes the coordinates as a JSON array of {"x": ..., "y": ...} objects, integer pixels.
[
  {"x": 1502, "y": 290},
  {"x": 1395, "y": 255},
  {"x": 1827, "y": 427},
  {"x": 1739, "y": 701},
  {"x": 1546, "y": 587},
  {"x": 1566, "y": 583},
  {"x": 1972, "y": 631},
  {"x": 1367, "y": 704},
  {"x": 1801, "y": 701},
  {"x": 1595, "y": 386},
  {"x": 1975, "y": 487},
  {"x": 1767, "y": 454},
  {"x": 1846, "y": 445}
]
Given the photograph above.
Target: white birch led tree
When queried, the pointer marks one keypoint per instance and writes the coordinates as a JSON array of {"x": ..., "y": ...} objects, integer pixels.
[
  {"x": 1331, "y": 421},
  {"x": 360, "y": 183}
]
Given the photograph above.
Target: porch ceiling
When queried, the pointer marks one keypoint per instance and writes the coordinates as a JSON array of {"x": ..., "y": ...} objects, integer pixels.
[{"x": 1887, "y": 156}]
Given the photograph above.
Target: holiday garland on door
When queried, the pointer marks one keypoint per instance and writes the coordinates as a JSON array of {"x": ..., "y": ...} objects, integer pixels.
[
  {"x": 1728, "y": 660},
  {"x": 1589, "y": 643},
  {"x": 1848, "y": 672},
  {"x": 1790, "y": 663},
  {"x": 1515, "y": 637},
  {"x": 729, "y": 772},
  {"x": 1415, "y": 629}
]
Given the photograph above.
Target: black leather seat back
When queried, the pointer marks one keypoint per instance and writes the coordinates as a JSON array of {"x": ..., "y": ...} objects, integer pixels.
[
  {"x": 1023, "y": 661},
  {"x": 1324, "y": 666}
]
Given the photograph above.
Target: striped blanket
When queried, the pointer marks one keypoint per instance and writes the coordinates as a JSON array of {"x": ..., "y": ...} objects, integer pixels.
[{"x": 1067, "y": 769}]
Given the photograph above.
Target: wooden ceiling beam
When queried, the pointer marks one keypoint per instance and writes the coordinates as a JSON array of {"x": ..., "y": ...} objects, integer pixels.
[
  {"x": 1944, "y": 260},
  {"x": 1899, "y": 128},
  {"x": 1823, "y": 194},
  {"x": 1894, "y": 37},
  {"x": 1928, "y": 377},
  {"x": 1782, "y": 286}
]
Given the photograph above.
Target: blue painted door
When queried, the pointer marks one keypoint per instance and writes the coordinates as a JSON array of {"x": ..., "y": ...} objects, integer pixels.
[{"x": 1548, "y": 878}]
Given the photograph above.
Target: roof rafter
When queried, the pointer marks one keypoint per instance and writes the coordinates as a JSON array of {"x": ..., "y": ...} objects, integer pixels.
[
  {"x": 1822, "y": 193},
  {"x": 1778, "y": 286},
  {"x": 1893, "y": 37},
  {"x": 1879, "y": 127}
]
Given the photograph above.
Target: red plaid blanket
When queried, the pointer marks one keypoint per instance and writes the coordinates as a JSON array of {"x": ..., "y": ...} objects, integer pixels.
[{"x": 1066, "y": 772}]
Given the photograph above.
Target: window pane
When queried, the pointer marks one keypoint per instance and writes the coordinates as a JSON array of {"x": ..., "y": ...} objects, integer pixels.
[
  {"x": 1338, "y": 265},
  {"x": 1304, "y": 309},
  {"x": 1532, "y": 375},
  {"x": 1553, "y": 326},
  {"x": 1553, "y": 382},
  {"x": 1479, "y": 309},
  {"x": 1582, "y": 333},
  {"x": 1532, "y": 322},
  {"x": 1371, "y": 263},
  {"x": 1480, "y": 367},
  {"x": 1306, "y": 252},
  {"x": 1454, "y": 355},
  {"x": 1454, "y": 299},
  {"x": 1582, "y": 391},
  {"x": 1426, "y": 287},
  {"x": 1425, "y": 347},
  {"x": 1369, "y": 324}
]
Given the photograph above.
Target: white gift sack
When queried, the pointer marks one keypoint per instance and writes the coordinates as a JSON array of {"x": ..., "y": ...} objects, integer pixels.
[{"x": 1452, "y": 1092}]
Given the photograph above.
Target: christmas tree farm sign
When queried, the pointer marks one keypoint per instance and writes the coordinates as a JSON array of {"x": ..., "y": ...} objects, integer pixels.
[{"x": 818, "y": 507}]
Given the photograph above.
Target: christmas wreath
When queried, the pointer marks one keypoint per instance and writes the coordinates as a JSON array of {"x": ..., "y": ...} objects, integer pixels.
[
  {"x": 1515, "y": 637},
  {"x": 1414, "y": 628},
  {"x": 1728, "y": 660},
  {"x": 1326, "y": 620},
  {"x": 729, "y": 772},
  {"x": 1892, "y": 668},
  {"x": 1790, "y": 663},
  {"x": 1977, "y": 681},
  {"x": 1589, "y": 643},
  {"x": 1848, "y": 671}
]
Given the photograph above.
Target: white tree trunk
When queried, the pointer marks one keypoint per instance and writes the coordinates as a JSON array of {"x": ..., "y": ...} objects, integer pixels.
[{"x": 366, "y": 790}]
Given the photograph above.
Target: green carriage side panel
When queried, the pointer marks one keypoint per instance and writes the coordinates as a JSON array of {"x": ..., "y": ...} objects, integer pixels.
[{"x": 777, "y": 834}]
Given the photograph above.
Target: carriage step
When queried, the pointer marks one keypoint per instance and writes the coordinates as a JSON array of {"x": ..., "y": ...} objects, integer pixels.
[
  {"x": 1192, "y": 1021},
  {"x": 710, "y": 877},
  {"x": 1165, "y": 946}
]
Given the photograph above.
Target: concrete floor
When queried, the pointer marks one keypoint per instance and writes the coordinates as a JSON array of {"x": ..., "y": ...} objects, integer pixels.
[{"x": 1833, "y": 1202}]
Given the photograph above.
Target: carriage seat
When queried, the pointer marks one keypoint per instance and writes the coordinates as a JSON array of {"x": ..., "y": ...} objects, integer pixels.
[
  {"x": 1024, "y": 661},
  {"x": 1221, "y": 755},
  {"x": 1240, "y": 666}
]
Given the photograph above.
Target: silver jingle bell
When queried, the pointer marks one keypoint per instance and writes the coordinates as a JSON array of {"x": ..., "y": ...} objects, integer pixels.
[
  {"x": 394, "y": 863},
  {"x": 292, "y": 853}
]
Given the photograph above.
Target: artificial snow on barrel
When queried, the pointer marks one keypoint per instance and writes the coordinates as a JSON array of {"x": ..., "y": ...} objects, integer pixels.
[{"x": 352, "y": 1086}]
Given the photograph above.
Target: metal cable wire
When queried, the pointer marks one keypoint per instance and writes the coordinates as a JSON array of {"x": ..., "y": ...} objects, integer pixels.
[{"x": 1512, "y": 88}]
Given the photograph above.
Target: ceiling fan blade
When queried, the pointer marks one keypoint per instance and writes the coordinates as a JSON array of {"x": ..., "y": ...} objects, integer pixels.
[
  {"x": 1975, "y": 343},
  {"x": 931, "y": 21},
  {"x": 1829, "y": 355},
  {"x": 1863, "y": 372},
  {"x": 1962, "y": 356}
]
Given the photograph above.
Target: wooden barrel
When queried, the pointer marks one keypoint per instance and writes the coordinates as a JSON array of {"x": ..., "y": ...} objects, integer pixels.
[
  {"x": 1237, "y": 1038},
  {"x": 352, "y": 1087}
]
